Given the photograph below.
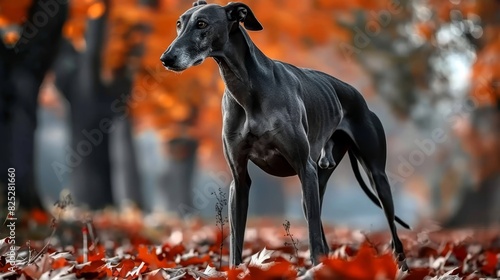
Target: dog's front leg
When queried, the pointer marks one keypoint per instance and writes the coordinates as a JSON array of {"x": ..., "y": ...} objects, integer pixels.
[
  {"x": 294, "y": 146},
  {"x": 238, "y": 200}
]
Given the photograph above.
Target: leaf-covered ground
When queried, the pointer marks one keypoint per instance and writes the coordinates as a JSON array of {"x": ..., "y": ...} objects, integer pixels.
[{"x": 129, "y": 246}]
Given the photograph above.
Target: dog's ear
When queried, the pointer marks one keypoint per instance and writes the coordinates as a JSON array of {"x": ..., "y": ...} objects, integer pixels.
[
  {"x": 199, "y": 2},
  {"x": 242, "y": 13}
]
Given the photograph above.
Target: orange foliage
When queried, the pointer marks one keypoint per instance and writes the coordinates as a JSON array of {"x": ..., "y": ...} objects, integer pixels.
[
  {"x": 485, "y": 78},
  {"x": 74, "y": 28},
  {"x": 96, "y": 10},
  {"x": 10, "y": 37},
  {"x": 13, "y": 12},
  {"x": 486, "y": 75},
  {"x": 12, "y": 15},
  {"x": 425, "y": 29}
]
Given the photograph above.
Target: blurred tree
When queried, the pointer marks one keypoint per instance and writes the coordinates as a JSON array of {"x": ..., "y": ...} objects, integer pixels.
[
  {"x": 477, "y": 24},
  {"x": 78, "y": 76},
  {"x": 381, "y": 42},
  {"x": 480, "y": 136},
  {"x": 176, "y": 180},
  {"x": 470, "y": 29},
  {"x": 95, "y": 72},
  {"x": 29, "y": 30}
]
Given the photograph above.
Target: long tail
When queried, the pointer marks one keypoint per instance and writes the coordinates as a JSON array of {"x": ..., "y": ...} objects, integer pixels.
[{"x": 371, "y": 195}]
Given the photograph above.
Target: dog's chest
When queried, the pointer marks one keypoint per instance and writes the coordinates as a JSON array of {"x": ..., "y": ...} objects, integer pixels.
[
  {"x": 262, "y": 145},
  {"x": 265, "y": 155}
]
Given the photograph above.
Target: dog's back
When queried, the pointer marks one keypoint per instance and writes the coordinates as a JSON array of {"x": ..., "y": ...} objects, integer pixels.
[{"x": 327, "y": 100}]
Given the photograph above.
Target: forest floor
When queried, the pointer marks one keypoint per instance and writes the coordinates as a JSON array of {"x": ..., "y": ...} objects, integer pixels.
[{"x": 129, "y": 245}]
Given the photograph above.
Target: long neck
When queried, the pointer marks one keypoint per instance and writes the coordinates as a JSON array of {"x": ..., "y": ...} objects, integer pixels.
[{"x": 240, "y": 64}]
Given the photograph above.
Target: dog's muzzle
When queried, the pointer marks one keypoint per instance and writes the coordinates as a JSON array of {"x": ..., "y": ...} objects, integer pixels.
[{"x": 169, "y": 60}]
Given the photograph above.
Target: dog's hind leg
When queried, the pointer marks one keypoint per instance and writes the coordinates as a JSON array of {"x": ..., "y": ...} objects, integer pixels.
[
  {"x": 339, "y": 146},
  {"x": 371, "y": 196},
  {"x": 384, "y": 193},
  {"x": 370, "y": 149}
]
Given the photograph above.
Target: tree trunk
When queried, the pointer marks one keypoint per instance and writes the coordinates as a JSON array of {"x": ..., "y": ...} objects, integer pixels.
[
  {"x": 106, "y": 170},
  {"x": 22, "y": 70},
  {"x": 125, "y": 175},
  {"x": 91, "y": 119},
  {"x": 175, "y": 190}
]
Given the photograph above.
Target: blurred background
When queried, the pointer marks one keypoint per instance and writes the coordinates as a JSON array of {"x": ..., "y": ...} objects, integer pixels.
[{"x": 87, "y": 108}]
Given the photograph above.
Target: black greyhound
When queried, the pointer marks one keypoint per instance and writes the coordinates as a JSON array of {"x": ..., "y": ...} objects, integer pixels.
[{"x": 285, "y": 119}]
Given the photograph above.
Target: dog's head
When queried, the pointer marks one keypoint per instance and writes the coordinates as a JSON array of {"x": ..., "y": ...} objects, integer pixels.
[{"x": 204, "y": 30}]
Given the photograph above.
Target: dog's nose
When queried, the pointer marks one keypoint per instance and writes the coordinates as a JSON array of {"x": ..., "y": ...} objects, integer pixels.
[
  {"x": 167, "y": 59},
  {"x": 164, "y": 57}
]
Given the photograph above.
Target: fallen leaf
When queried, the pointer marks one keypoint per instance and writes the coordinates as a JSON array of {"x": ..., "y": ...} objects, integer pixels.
[
  {"x": 260, "y": 258},
  {"x": 490, "y": 264}
]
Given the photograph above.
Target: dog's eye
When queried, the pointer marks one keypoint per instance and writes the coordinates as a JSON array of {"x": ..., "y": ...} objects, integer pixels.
[
  {"x": 178, "y": 24},
  {"x": 201, "y": 24}
]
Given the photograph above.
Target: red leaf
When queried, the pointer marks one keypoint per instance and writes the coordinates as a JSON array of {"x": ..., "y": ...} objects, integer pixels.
[
  {"x": 5, "y": 268},
  {"x": 490, "y": 263},
  {"x": 460, "y": 252},
  {"x": 40, "y": 217},
  {"x": 365, "y": 265},
  {"x": 126, "y": 267},
  {"x": 232, "y": 273},
  {"x": 171, "y": 252},
  {"x": 418, "y": 273},
  {"x": 278, "y": 270},
  {"x": 59, "y": 263},
  {"x": 94, "y": 255},
  {"x": 150, "y": 257}
]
